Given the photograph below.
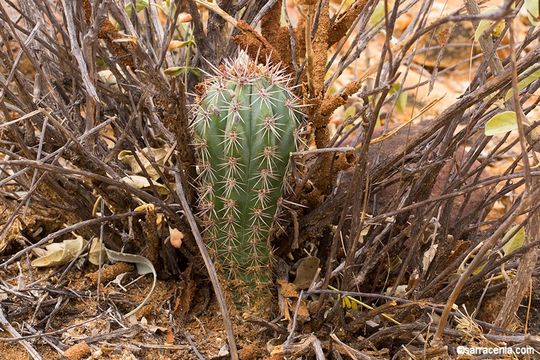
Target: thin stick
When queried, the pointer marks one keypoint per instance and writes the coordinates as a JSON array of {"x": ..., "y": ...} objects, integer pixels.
[
  {"x": 59, "y": 331},
  {"x": 323, "y": 150},
  {"x": 477, "y": 260},
  {"x": 293, "y": 325},
  {"x": 209, "y": 267},
  {"x": 76, "y": 50},
  {"x": 17, "y": 337},
  {"x": 215, "y": 8},
  {"x": 27, "y": 116}
]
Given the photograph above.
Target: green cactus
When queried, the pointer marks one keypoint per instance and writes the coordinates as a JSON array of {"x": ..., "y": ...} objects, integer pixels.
[{"x": 244, "y": 130}]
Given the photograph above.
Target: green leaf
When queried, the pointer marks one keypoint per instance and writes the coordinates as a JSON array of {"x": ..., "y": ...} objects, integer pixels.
[
  {"x": 533, "y": 11},
  {"x": 140, "y": 5},
  {"x": 349, "y": 112},
  {"x": 179, "y": 70},
  {"x": 394, "y": 88},
  {"x": 515, "y": 242},
  {"x": 401, "y": 102},
  {"x": 485, "y": 24},
  {"x": 522, "y": 84},
  {"x": 378, "y": 14},
  {"x": 174, "y": 71},
  {"x": 501, "y": 123}
]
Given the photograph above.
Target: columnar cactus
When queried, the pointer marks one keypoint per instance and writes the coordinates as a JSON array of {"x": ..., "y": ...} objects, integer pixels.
[{"x": 244, "y": 130}]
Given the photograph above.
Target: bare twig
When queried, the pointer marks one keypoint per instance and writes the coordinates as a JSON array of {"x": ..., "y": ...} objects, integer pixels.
[
  {"x": 532, "y": 198},
  {"x": 520, "y": 284},
  {"x": 17, "y": 337},
  {"x": 76, "y": 50},
  {"x": 210, "y": 268}
]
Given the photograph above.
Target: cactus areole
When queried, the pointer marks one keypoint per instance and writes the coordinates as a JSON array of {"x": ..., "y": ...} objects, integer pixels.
[{"x": 244, "y": 131}]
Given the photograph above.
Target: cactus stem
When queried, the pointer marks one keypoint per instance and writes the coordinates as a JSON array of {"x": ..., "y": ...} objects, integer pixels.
[{"x": 244, "y": 125}]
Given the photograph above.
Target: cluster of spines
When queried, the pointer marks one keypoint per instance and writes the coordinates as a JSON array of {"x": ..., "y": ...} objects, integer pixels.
[{"x": 244, "y": 130}]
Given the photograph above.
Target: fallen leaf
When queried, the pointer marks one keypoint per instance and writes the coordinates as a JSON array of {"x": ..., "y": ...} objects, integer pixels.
[
  {"x": 61, "y": 253},
  {"x": 159, "y": 155},
  {"x": 97, "y": 252},
  {"x": 140, "y": 182},
  {"x": 515, "y": 242},
  {"x": 501, "y": 123},
  {"x": 306, "y": 271},
  {"x": 144, "y": 266}
]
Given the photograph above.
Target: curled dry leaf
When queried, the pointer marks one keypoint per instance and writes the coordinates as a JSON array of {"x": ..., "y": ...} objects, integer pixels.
[
  {"x": 140, "y": 182},
  {"x": 61, "y": 253},
  {"x": 97, "y": 252},
  {"x": 145, "y": 207},
  {"x": 108, "y": 78},
  {"x": 177, "y": 44},
  {"x": 144, "y": 266},
  {"x": 159, "y": 155}
]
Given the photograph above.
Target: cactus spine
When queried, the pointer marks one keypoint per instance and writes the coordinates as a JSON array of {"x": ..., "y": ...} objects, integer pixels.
[{"x": 244, "y": 129}]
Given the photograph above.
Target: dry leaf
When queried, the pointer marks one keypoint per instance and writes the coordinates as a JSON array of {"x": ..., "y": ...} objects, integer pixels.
[
  {"x": 97, "y": 252},
  {"x": 176, "y": 237},
  {"x": 184, "y": 17},
  {"x": 60, "y": 253},
  {"x": 177, "y": 44},
  {"x": 140, "y": 182},
  {"x": 158, "y": 154},
  {"x": 287, "y": 289},
  {"x": 307, "y": 269}
]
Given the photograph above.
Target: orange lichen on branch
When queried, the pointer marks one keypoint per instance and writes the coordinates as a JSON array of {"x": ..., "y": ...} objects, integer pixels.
[
  {"x": 78, "y": 351},
  {"x": 110, "y": 272},
  {"x": 300, "y": 38},
  {"x": 256, "y": 45},
  {"x": 333, "y": 102},
  {"x": 270, "y": 23},
  {"x": 319, "y": 58},
  {"x": 277, "y": 35},
  {"x": 345, "y": 21},
  {"x": 326, "y": 166},
  {"x": 320, "y": 50},
  {"x": 337, "y": 30},
  {"x": 316, "y": 58}
]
